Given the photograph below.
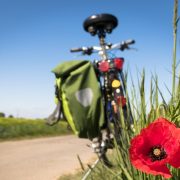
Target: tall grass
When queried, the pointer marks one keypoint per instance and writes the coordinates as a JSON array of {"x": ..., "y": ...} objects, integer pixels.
[
  {"x": 143, "y": 116},
  {"x": 175, "y": 23},
  {"x": 123, "y": 169}
]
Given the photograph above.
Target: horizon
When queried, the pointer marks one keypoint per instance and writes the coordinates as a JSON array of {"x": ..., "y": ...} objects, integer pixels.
[{"x": 36, "y": 36}]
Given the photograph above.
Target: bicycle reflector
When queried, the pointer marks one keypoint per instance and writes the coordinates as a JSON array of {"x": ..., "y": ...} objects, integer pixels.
[
  {"x": 121, "y": 101},
  {"x": 118, "y": 63},
  {"x": 104, "y": 66},
  {"x": 116, "y": 83}
]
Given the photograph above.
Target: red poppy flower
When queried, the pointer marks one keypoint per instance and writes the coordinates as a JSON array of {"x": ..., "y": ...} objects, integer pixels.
[{"x": 155, "y": 147}]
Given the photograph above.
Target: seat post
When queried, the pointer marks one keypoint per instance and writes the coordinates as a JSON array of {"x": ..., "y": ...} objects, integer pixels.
[{"x": 101, "y": 36}]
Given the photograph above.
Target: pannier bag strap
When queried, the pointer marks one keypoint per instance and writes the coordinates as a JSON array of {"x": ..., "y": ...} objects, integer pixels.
[{"x": 55, "y": 116}]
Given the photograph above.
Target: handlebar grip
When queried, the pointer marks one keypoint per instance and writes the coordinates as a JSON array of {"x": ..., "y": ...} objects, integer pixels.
[
  {"x": 125, "y": 44},
  {"x": 130, "y": 41},
  {"x": 76, "y": 49}
]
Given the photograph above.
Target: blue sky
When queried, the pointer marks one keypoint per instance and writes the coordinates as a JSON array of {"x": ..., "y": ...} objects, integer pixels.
[{"x": 36, "y": 35}]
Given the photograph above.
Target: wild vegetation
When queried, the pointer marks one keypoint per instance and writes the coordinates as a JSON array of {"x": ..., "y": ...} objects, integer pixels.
[
  {"x": 143, "y": 116},
  {"x": 18, "y": 128}
]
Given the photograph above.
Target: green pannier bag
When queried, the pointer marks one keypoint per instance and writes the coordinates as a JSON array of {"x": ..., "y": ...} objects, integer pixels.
[{"x": 78, "y": 97}]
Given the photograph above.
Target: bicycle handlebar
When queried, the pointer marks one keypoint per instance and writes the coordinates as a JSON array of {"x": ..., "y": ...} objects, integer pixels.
[
  {"x": 76, "y": 49},
  {"x": 85, "y": 50},
  {"x": 125, "y": 44},
  {"x": 89, "y": 50}
]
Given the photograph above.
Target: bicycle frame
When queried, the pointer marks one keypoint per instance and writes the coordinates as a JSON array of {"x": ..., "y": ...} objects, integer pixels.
[
  {"x": 112, "y": 81},
  {"x": 105, "y": 75}
]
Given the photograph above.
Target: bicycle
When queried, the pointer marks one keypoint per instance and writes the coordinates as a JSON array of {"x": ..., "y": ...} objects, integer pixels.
[{"x": 112, "y": 82}]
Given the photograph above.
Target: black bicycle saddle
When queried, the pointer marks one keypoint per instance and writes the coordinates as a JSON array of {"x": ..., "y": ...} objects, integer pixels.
[{"x": 100, "y": 22}]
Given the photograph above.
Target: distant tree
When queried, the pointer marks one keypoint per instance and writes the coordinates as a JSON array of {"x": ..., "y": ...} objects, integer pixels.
[
  {"x": 2, "y": 114},
  {"x": 11, "y": 116}
]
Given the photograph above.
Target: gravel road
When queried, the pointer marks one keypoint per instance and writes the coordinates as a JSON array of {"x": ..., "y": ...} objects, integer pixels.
[{"x": 43, "y": 158}]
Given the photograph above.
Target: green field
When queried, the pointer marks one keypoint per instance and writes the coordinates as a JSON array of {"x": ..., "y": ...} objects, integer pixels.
[{"x": 19, "y": 128}]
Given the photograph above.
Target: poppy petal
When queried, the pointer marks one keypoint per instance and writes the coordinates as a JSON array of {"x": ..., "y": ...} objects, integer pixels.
[
  {"x": 175, "y": 160},
  {"x": 154, "y": 170},
  {"x": 160, "y": 170}
]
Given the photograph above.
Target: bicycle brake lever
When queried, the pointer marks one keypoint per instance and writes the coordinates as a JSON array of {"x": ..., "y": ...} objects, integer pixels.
[{"x": 135, "y": 49}]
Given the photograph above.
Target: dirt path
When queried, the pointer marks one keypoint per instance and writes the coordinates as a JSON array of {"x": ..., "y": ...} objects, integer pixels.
[{"x": 42, "y": 159}]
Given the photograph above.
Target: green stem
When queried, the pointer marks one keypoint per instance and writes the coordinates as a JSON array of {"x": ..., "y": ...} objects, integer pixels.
[{"x": 175, "y": 22}]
